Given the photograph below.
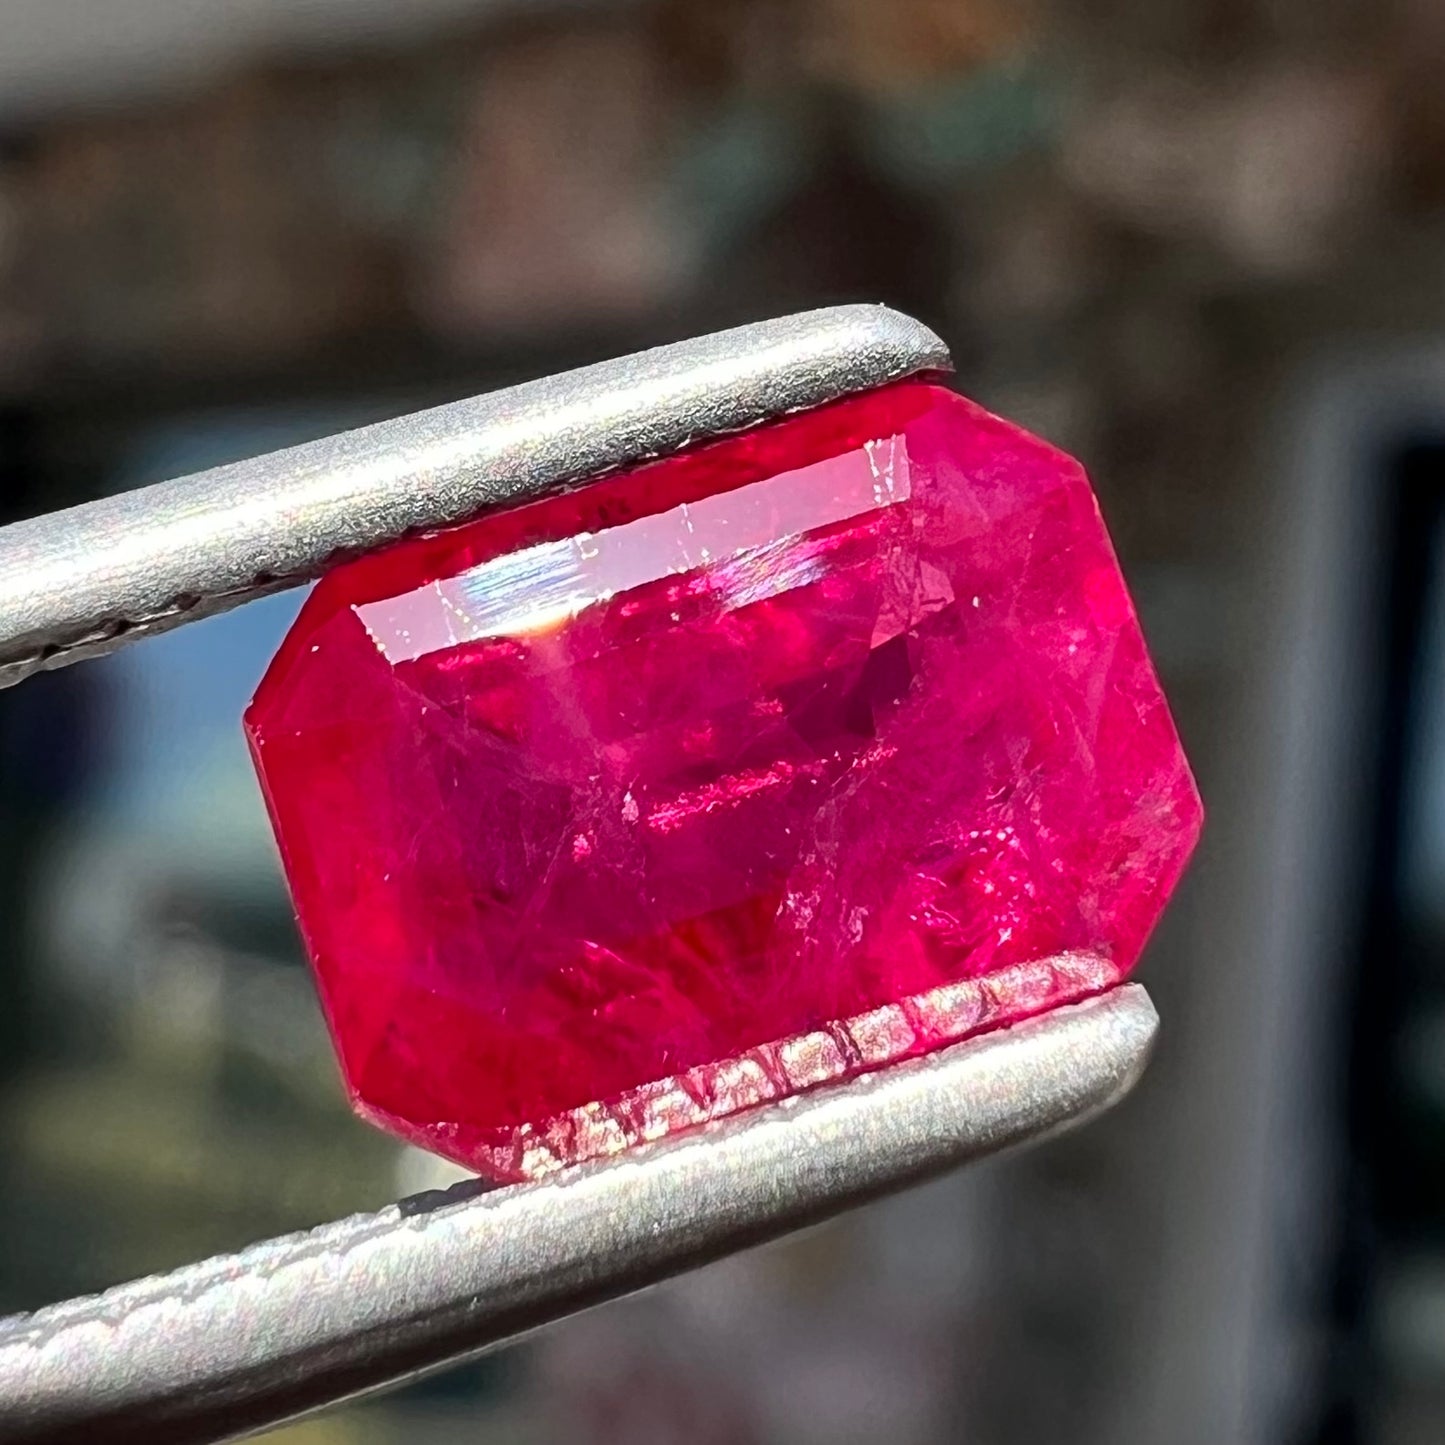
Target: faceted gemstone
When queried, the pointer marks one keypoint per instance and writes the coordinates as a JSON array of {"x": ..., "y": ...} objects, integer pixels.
[{"x": 806, "y": 750}]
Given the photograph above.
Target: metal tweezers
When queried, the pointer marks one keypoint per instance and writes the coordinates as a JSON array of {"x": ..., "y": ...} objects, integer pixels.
[{"x": 235, "y": 1344}]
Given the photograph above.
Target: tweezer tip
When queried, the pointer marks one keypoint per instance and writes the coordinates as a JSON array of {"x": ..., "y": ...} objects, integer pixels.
[{"x": 886, "y": 342}]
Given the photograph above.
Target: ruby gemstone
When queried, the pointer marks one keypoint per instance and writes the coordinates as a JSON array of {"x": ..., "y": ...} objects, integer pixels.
[{"x": 804, "y": 751}]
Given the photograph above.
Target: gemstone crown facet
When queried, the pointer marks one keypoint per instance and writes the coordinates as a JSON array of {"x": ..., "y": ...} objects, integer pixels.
[{"x": 803, "y": 751}]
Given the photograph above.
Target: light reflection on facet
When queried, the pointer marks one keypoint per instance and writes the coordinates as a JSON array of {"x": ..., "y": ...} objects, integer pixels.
[{"x": 539, "y": 587}]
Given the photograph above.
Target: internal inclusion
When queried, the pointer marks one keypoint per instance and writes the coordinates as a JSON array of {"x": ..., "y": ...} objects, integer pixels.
[{"x": 885, "y": 1035}]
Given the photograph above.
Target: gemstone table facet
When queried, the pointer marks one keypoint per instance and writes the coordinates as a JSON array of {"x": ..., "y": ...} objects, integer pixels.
[{"x": 809, "y": 749}]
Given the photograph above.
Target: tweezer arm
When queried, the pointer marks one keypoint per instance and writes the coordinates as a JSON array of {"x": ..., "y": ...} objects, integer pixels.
[
  {"x": 235, "y": 1344},
  {"x": 84, "y": 581}
]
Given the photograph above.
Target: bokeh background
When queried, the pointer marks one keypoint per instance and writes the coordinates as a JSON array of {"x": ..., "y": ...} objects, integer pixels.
[{"x": 1199, "y": 243}]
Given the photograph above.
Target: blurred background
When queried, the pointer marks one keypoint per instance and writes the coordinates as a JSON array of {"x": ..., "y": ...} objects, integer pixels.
[{"x": 1199, "y": 243}]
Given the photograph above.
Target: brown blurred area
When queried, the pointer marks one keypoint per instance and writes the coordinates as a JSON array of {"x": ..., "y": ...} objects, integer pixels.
[{"x": 1198, "y": 243}]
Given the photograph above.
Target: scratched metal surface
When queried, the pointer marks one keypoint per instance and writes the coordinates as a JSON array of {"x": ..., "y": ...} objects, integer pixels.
[
  {"x": 235, "y": 1344},
  {"x": 88, "y": 579}
]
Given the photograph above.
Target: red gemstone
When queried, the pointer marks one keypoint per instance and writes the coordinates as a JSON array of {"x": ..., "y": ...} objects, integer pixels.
[{"x": 804, "y": 751}]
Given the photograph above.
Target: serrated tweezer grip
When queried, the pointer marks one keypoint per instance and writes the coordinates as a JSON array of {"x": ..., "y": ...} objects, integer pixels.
[{"x": 234, "y": 1344}]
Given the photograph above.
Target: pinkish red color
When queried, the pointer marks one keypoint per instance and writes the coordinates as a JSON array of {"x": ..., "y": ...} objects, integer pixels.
[{"x": 802, "y": 752}]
